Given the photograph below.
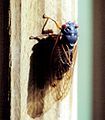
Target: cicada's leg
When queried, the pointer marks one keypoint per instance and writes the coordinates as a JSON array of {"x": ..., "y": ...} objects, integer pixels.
[
  {"x": 49, "y": 30},
  {"x": 33, "y": 37},
  {"x": 43, "y": 31},
  {"x": 47, "y": 17}
]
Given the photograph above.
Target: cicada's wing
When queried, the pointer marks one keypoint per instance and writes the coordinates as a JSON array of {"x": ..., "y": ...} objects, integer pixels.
[
  {"x": 62, "y": 75},
  {"x": 49, "y": 79}
]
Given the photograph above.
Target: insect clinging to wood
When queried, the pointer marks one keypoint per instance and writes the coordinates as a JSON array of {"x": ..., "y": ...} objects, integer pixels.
[{"x": 51, "y": 67}]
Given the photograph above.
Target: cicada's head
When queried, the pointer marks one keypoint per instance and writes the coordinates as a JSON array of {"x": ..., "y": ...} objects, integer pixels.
[{"x": 70, "y": 32}]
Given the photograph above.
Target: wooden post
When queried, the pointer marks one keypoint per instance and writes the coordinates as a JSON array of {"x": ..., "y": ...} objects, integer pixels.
[
  {"x": 26, "y": 20},
  {"x": 15, "y": 49}
]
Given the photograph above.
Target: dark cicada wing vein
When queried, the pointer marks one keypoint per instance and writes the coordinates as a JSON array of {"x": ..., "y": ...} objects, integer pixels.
[{"x": 60, "y": 59}]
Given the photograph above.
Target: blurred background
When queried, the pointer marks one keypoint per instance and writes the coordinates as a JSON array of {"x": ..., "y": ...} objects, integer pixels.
[{"x": 91, "y": 70}]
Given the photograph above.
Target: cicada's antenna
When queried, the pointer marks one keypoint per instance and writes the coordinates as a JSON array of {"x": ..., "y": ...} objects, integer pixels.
[
  {"x": 47, "y": 17},
  {"x": 44, "y": 24}
]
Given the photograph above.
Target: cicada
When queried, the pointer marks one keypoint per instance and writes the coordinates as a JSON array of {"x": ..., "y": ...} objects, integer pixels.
[{"x": 51, "y": 67}]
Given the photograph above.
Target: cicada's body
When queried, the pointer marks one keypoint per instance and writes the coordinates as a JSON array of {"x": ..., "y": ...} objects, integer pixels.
[{"x": 51, "y": 68}]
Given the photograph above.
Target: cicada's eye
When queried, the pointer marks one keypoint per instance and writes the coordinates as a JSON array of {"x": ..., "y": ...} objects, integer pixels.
[{"x": 64, "y": 26}]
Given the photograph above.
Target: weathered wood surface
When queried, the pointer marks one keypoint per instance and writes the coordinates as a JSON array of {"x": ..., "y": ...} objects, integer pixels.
[
  {"x": 15, "y": 46},
  {"x": 26, "y": 20}
]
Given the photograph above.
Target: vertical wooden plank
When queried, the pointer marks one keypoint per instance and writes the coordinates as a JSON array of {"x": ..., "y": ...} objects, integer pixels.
[
  {"x": 31, "y": 24},
  {"x": 26, "y": 20},
  {"x": 15, "y": 34}
]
